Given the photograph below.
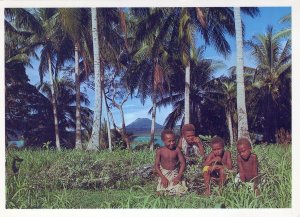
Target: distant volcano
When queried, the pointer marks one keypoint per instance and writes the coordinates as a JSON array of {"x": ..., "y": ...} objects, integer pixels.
[{"x": 143, "y": 126}]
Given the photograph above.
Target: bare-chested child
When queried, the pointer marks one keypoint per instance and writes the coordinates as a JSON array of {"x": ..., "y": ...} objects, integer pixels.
[
  {"x": 167, "y": 161},
  {"x": 190, "y": 144},
  {"x": 216, "y": 164},
  {"x": 247, "y": 163}
]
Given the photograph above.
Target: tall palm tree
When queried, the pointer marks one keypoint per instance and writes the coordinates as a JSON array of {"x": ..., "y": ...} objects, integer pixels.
[
  {"x": 226, "y": 86},
  {"x": 241, "y": 101},
  {"x": 95, "y": 137},
  {"x": 150, "y": 55},
  {"x": 75, "y": 22},
  {"x": 66, "y": 97},
  {"x": 208, "y": 115},
  {"x": 176, "y": 27},
  {"x": 48, "y": 35},
  {"x": 272, "y": 80}
]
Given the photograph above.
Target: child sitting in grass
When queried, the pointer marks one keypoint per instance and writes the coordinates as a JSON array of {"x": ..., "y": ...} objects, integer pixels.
[
  {"x": 216, "y": 164},
  {"x": 166, "y": 164},
  {"x": 247, "y": 163},
  {"x": 190, "y": 144}
]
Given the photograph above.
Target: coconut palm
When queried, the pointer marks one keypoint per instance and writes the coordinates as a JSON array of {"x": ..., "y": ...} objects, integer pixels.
[
  {"x": 66, "y": 97},
  {"x": 95, "y": 137},
  {"x": 272, "y": 80},
  {"x": 241, "y": 101},
  {"x": 75, "y": 22},
  {"x": 286, "y": 32},
  {"x": 208, "y": 115},
  {"x": 47, "y": 37}
]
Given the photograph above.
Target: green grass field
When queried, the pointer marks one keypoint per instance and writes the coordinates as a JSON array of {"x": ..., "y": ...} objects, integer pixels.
[{"x": 75, "y": 179}]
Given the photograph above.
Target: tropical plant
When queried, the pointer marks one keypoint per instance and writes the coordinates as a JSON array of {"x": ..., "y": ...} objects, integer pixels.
[
  {"x": 271, "y": 80},
  {"x": 66, "y": 98},
  {"x": 75, "y": 21}
]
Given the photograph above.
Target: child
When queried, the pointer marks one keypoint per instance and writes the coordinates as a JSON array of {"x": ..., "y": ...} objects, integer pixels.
[
  {"x": 247, "y": 163},
  {"x": 216, "y": 164},
  {"x": 166, "y": 165},
  {"x": 190, "y": 144}
]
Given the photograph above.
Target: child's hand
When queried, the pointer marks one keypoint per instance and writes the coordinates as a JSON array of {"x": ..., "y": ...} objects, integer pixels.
[
  {"x": 176, "y": 180},
  {"x": 197, "y": 139},
  {"x": 164, "y": 182},
  {"x": 217, "y": 159}
]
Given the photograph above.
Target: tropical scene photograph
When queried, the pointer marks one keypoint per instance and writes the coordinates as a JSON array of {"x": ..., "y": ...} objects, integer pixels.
[{"x": 153, "y": 107}]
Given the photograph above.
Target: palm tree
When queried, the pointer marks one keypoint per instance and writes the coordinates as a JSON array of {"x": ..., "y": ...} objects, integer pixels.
[
  {"x": 227, "y": 89},
  {"x": 95, "y": 138},
  {"x": 150, "y": 61},
  {"x": 208, "y": 114},
  {"x": 75, "y": 22},
  {"x": 272, "y": 80},
  {"x": 66, "y": 97},
  {"x": 241, "y": 101},
  {"x": 286, "y": 32},
  {"x": 176, "y": 27},
  {"x": 48, "y": 35}
]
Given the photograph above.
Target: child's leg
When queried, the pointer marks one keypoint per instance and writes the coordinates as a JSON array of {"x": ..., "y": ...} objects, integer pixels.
[
  {"x": 206, "y": 176},
  {"x": 222, "y": 177}
]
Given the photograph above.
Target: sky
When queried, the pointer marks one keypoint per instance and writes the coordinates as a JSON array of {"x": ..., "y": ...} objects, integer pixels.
[{"x": 134, "y": 109}]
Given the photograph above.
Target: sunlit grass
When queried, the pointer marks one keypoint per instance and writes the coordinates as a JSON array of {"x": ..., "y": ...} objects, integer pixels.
[{"x": 70, "y": 179}]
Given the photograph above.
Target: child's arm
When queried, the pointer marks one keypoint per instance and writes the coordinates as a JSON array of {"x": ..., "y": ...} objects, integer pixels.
[
  {"x": 255, "y": 169},
  {"x": 209, "y": 159},
  {"x": 164, "y": 180},
  {"x": 180, "y": 143},
  {"x": 199, "y": 143},
  {"x": 241, "y": 169},
  {"x": 181, "y": 159},
  {"x": 228, "y": 163}
]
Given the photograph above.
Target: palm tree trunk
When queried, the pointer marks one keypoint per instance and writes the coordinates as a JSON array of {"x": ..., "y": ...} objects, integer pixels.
[
  {"x": 153, "y": 120},
  {"x": 78, "y": 144},
  {"x": 187, "y": 94},
  {"x": 241, "y": 102},
  {"x": 109, "y": 133},
  {"x": 95, "y": 138},
  {"x": 229, "y": 124},
  {"x": 124, "y": 134},
  {"x": 57, "y": 141}
]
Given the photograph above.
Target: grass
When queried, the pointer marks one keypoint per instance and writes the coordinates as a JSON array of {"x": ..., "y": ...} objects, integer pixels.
[{"x": 75, "y": 179}]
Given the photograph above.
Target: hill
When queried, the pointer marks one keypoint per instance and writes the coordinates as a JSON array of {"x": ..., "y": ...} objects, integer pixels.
[{"x": 143, "y": 126}]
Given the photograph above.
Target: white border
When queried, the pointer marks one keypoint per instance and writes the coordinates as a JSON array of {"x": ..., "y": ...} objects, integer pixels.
[{"x": 294, "y": 211}]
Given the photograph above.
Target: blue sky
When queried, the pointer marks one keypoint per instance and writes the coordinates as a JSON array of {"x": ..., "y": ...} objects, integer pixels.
[{"x": 134, "y": 109}]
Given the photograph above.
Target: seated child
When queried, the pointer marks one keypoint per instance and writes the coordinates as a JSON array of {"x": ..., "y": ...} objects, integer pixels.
[
  {"x": 216, "y": 164},
  {"x": 247, "y": 163},
  {"x": 190, "y": 144},
  {"x": 167, "y": 160}
]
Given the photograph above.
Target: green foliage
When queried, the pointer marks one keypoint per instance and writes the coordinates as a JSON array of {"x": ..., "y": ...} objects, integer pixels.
[{"x": 75, "y": 179}]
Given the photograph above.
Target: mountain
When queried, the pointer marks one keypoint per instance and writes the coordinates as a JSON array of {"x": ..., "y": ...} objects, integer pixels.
[
  {"x": 143, "y": 123},
  {"x": 143, "y": 126}
]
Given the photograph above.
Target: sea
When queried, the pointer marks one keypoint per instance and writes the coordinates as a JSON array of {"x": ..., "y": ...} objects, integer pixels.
[{"x": 146, "y": 140}]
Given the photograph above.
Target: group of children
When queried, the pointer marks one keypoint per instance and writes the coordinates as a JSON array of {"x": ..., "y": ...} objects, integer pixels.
[{"x": 171, "y": 161}]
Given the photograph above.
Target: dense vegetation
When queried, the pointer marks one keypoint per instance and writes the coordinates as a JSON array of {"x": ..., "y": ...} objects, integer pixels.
[
  {"x": 75, "y": 179},
  {"x": 73, "y": 158},
  {"x": 138, "y": 45}
]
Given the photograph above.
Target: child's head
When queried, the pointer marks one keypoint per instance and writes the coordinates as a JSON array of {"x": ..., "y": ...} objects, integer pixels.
[
  {"x": 244, "y": 148},
  {"x": 168, "y": 138},
  {"x": 217, "y": 145},
  {"x": 188, "y": 133}
]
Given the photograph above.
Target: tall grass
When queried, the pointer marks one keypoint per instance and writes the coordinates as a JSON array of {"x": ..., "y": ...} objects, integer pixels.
[{"x": 75, "y": 179}]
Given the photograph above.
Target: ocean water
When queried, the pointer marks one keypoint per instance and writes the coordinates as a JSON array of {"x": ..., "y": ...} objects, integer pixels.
[{"x": 146, "y": 139}]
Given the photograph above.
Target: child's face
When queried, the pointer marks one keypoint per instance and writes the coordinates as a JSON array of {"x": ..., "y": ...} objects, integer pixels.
[
  {"x": 217, "y": 149},
  {"x": 244, "y": 151},
  {"x": 169, "y": 141},
  {"x": 189, "y": 137}
]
